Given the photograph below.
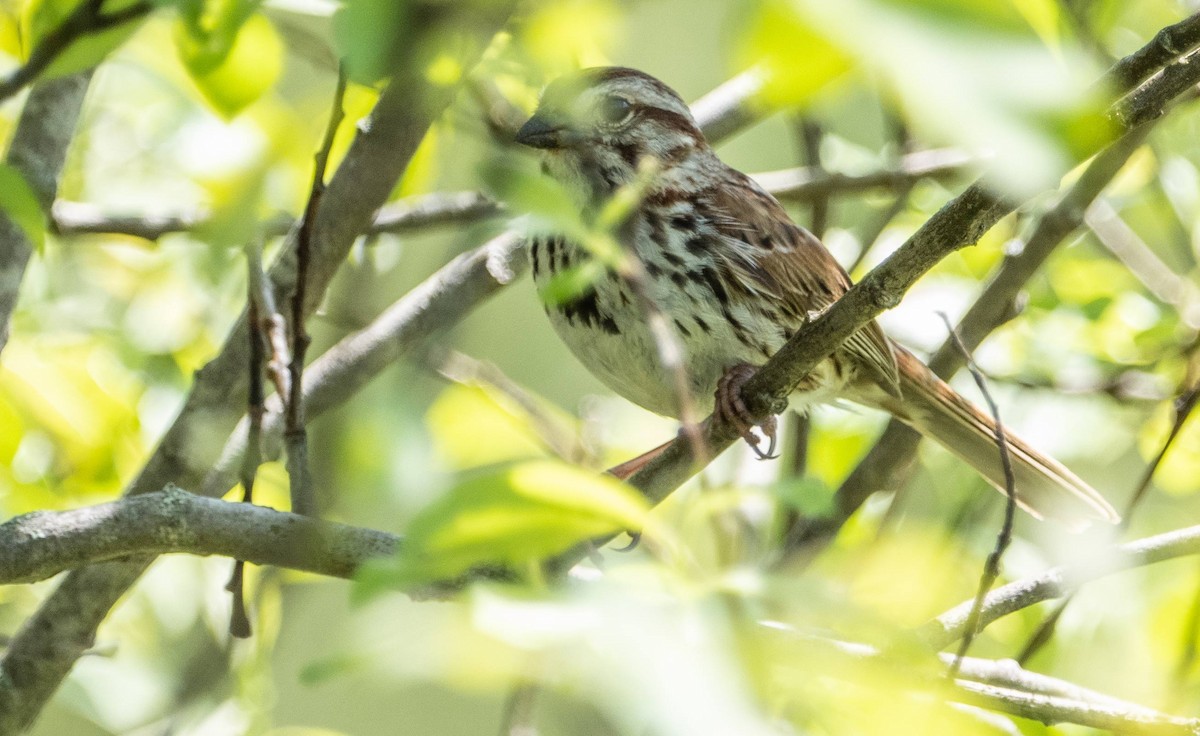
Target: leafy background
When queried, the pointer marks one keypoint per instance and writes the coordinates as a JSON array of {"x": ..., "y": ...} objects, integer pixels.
[{"x": 218, "y": 107}]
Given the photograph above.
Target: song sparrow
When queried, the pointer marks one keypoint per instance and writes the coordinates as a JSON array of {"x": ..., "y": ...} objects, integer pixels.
[{"x": 735, "y": 277}]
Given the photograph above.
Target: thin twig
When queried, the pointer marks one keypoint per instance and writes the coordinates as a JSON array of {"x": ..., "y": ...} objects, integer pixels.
[
  {"x": 259, "y": 338},
  {"x": 296, "y": 434},
  {"x": 991, "y": 569}
]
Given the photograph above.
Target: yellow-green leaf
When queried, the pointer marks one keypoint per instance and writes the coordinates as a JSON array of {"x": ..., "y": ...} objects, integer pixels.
[
  {"x": 798, "y": 58},
  {"x": 19, "y": 202},
  {"x": 515, "y": 515},
  {"x": 251, "y": 65},
  {"x": 44, "y": 16}
]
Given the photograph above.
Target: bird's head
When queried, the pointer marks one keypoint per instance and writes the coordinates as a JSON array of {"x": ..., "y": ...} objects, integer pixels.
[{"x": 596, "y": 126}]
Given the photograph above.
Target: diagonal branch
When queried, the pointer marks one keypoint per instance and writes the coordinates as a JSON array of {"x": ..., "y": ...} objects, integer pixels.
[
  {"x": 38, "y": 151},
  {"x": 1059, "y": 581}
]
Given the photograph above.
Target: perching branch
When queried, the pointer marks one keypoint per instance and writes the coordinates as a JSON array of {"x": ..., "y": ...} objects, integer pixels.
[{"x": 896, "y": 448}]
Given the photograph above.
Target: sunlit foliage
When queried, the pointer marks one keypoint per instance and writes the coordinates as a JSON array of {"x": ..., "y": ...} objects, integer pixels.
[{"x": 212, "y": 109}]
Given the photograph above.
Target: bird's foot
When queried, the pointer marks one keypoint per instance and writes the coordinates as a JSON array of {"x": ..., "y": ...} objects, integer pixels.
[{"x": 732, "y": 409}]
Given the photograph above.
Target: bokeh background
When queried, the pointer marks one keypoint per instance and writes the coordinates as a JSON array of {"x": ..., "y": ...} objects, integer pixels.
[{"x": 111, "y": 328}]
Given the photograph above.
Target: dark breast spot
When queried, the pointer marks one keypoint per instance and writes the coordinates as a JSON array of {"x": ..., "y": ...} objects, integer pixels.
[
  {"x": 683, "y": 221},
  {"x": 709, "y": 276},
  {"x": 586, "y": 310}
]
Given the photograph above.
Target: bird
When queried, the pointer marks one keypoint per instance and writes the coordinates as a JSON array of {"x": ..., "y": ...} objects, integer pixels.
[{"x": 732, "y": 278}]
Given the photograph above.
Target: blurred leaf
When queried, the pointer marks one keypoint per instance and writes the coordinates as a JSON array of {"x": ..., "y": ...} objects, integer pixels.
[
  {"x": 807, "y": 495},
  {"x": 570, "y": 283},
  {"x": 368, "y": 34},
  {"x": 323, "y": 670},
  {"x": 236, "y": 204},
  {"x": 232, "y": 67},
  {"x": 20, "y": 203},
  {"x": 43, "y": 16},
  {"x": 569, "y": 34},
  {"x": 799, "y": 60},
  {"x": 547, "y": 201},
  {"x": 208, "y": 30},
  {"x": 1043, "y": 16},
  {"x": 1083, "y": 281},
  {"x": 515, "y": 515},
  {"x": 461, "y": 415},
  {"x": 11, "y": 40}
]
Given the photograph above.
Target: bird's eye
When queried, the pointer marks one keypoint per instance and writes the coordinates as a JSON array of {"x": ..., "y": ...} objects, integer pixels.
[{"x": 614, "y": 109}]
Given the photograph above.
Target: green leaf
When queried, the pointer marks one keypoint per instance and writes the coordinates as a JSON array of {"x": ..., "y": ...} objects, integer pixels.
[
  {"x": 44, "y": 16},
  {"x": 369, "y": 35},
  {"x": 20, "y": 203},
  {"x": 798, "y": 59},
  {"x": 232, "y": 68},
  {"x": 515, "y": 515}
]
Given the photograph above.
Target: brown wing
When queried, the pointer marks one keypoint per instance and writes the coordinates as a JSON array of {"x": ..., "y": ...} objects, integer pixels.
[{"x": 789, "y": 263}]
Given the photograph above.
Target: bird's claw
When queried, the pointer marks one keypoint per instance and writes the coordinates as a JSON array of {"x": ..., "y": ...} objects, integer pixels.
[
  {"x": 730, "y": 406},
  {"x": 634, "y": 539}
]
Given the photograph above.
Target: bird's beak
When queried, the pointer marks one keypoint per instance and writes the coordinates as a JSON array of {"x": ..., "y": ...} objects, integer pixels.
[{"x": 537, "y": 132}]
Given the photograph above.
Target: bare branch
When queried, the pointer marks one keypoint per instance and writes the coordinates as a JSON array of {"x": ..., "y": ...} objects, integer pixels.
[
  {"x": 810, "y": 183},
  {"x": 40, "y": 545},
  {"x": 731, "y": 107},
  {"x": 1167, "y": 44},
  {"x": 996, "y": 685},
  {"x": 38, "y": 150},
  {"x": 402, "y": 216},
  {"x": 442, "y": 300},
  {"x": 1059, "y": 581}
]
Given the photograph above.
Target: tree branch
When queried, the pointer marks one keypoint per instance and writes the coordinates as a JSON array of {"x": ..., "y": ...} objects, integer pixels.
[
  {"x": 802, "y": 184},
  {"x": 40, "y": 545},
  {"x": 38, "y": 150},
  {"x": 996, "y": 685},
  {"x": 811, "y": 183},
  {"x": 1059, "y": 581},
  {"x": 897, "y": 447},
  {"x": 402, "y": 216}
]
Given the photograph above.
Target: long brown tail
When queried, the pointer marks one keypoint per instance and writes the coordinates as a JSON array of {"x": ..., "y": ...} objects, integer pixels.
[{"x": 1045, "y": 488}]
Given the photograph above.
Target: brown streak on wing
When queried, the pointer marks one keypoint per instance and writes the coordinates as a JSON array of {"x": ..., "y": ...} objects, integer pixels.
[{"x": 790, "y": 263}]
